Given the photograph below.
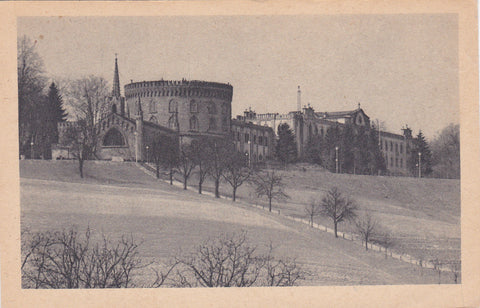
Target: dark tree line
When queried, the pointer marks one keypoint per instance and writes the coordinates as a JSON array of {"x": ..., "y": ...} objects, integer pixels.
[
  {"x": 39, "y": 108},
  {"x": 356, "y": 149}
]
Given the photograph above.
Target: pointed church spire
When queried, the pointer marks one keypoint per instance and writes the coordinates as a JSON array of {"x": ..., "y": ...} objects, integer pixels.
[{"x": 116, "y": 80}]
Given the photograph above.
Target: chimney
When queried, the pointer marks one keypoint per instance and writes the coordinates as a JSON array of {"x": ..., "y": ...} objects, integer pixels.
[{"x": 299, "y": 99}]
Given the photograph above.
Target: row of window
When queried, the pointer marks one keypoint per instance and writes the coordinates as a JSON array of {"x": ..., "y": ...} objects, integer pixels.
[
  {"x": 194, "y": 125},
  {"x": 261, "y": 140},
  {"x": 386, "y": 147},
  {"x": 398, "y": 162},
  {"x": 315, "y": 129},
  {"x": 173, "y": 107}
]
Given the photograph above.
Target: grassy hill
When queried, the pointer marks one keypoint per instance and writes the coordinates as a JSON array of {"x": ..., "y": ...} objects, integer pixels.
[{"x": 119, "y": 198}]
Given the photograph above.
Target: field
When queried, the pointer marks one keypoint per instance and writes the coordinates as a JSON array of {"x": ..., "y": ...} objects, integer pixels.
[{"x": 119, "y": 198}]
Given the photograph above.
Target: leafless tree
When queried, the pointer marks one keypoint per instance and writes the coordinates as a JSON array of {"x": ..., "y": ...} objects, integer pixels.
[
  {"x": 202, "y": 159},
  {"x": 312, "y": 210},
  {"x": 282, "y": 272},
  {"x": 87, "y": 98},
  {"x": 218, "y": 150},
  {"x": 81, "y": 144},
  {"x": 236, "y": 172},
  {"x": 186, "y": 162},
  {"x": 366, "y": 226},
  {"x": 338, "y": 208},
  {"x": 269, "y": 184},
  {"x": 164, "y": 151},
  {"x": 226, "y": 262},
  {"x": 384, "y": 239},
  {"x": 69, "y": 260}
]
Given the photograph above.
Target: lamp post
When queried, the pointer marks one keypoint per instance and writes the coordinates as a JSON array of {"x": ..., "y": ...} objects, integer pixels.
[
  {"x": 136, "y": 147},
  {"x": 32, "y": 156},
  {"x": 419, "y": 164},
  {"x": 147, "y": 153},
  {"x": 336, "y": 159}
]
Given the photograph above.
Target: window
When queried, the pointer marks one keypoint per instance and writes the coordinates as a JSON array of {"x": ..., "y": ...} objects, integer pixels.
[
  {"x": 254, "y": 139},
  {"x": 401, "y": 163},
  {"x": 212, "y": 124},
  {"x": 173, "y": 106},
  {"x": 391, "y": 146},
  {"x": 194, "y": 123},
  {"x": 401, "y": 148},
  {"x": 224, "y": 109},
  {"x": 266, "y": 141},
  {"x": 396, "y": 162},
  {"x": 172, "y": 122},
  {"x": 193, "y": 106},
  {"x": 113, "y": 138},
  {"x": 316, "y": 130},
  {"x": 225, "y": 124},
  {"x": 260, "y": 157},
  {"x": 238, "y": 136},
  {"x": 247, "y": 137},
  {"x": 211, "y": 108},
  {"x": 396, "y": 147},
  {"x": 391, "y": 161},
  {"x": 260, "y": 140},
  {"x": 152, "y": 106}
]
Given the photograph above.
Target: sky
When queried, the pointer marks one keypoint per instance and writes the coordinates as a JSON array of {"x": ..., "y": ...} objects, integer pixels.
[{"x": 402, "y": 69}]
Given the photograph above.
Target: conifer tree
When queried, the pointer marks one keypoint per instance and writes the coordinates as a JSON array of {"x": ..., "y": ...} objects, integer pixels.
[
  {"x": 286, "y": 149},
  {"x": 420, "y": 145}
]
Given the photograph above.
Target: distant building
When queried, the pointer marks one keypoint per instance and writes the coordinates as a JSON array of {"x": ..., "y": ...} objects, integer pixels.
[{"x": 305, "y": 123}]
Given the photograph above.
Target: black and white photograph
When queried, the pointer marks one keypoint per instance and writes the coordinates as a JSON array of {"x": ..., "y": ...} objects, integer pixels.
[{"x": 194, "y": 151}]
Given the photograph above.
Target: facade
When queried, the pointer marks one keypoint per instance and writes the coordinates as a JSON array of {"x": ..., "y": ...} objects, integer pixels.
[
  {"x": 256, "y": 141},
  {"x": 306, "y": 122},
  {"x": 187, "y": 109}
]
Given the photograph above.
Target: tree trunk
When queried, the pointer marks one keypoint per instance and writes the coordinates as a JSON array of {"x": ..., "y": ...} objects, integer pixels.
[
  {"x": 269, "y": 204},
  {"x": 171, "y": 176},
  {"x": 234, "y": 194},
  {"x": 335, "y": 228},
  {"x": 200, "y": 186},
  {"x": 158, "y": 171},
  {"x": 217, "y": 185},
  {"x": 80, "y": 167},
  {"x": 366, "y": 243},
  {"x": 184, "y": 183}
]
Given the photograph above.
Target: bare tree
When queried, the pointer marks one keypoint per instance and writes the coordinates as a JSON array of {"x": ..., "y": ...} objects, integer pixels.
[
  {"x": 269, "y": 184},
  {"x": 218, "y": 150},
  {"x": 87, "y": 100},
  {"x": 337, "y": 208},
  {"x": 455, "y": 269},
  {"x": 312, "y": 210},
  {"x": 31, "y": 83},
  {"x": 366, "y": 227},
  {"x": 69, "y": 260},
  {"x": 282, "y": 272},
  {"x": 81, "y": 144},
  {"x": 226, "y": 262},
  {"x": 186, "y": 163},
  {"x": 202, "y": 159},
  {"x": 236, "y": 171},
  {"x": 164, "y": 153},
  {"x": 384, "y": 239}
]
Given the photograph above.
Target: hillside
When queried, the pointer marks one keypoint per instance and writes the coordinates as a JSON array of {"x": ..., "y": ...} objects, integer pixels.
[{"x": 169, "y": 220}]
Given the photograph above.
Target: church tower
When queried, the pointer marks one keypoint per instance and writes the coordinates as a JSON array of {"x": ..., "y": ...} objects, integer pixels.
[
  {"x": 138, "y": 131},
  {"x": 115, "y": 100}
]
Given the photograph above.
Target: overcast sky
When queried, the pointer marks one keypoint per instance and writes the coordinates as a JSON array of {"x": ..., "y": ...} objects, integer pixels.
[{"x": 403, "y": 69}]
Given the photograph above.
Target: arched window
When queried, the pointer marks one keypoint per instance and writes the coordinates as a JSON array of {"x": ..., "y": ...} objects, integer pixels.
[
  {"x": 172, "y": 122},
  {"x": 212, "y": 124},
  {"x": 114, "y": 108},
  {"x": 153, "y": 119},
  {"x": 194, "y": 123},
  {"x": 173, "y": 106},
  {"x": 113, "y": 138},
  {"x": 260, "y": 157},
  {"x": 152, "y": 106},
  {"x": 193, "y": 106},
  {"x": 316, "y": 130},
  {"x": 212, "y": 108}
]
